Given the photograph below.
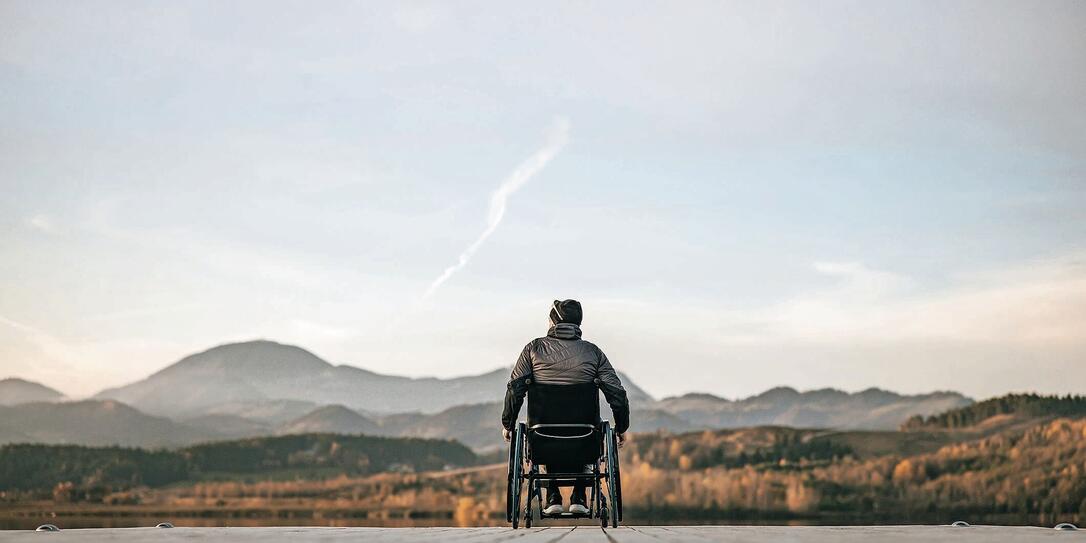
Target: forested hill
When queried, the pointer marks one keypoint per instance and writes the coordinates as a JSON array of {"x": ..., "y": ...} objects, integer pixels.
[
  {"x": 1023, "y": 405},
  {"x": 96, "y": 469}
]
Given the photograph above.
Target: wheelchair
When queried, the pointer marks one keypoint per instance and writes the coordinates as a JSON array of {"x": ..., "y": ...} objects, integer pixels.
[{"x": 563, "y": 427}]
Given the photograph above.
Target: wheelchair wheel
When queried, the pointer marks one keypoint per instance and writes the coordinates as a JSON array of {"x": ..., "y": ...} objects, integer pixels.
[
  {"x": 509, "y": 507},
  {"x": 612, "y": 474},
  {"x": 516, "y": 474},
  {"x": 616, "y": 499}
]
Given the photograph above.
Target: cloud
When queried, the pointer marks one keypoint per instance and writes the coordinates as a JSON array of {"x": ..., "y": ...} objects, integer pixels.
[
  {"x": 557, "y": 138},
  {"x": 42, "y": 223},
  {"x": 57, "y": 354},
  {"x": 416, "y": 19},
  {"x": 1042, "y": 300},
  {"x": 1031, "y": 303}
]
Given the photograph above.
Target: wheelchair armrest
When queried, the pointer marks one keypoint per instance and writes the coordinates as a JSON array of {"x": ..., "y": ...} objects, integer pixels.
[{"x": 589, "y": 430}]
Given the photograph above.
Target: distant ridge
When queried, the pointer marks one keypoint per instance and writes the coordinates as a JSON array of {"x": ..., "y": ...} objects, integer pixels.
[
  {"x": 14, "y": 391},
  {"x": 93, "y": 422},
  {"x": 333, "y": 419},
  {"x": 228, "y": 426},
  {"x": 261, "y": 388},
  {"x": 870, "y": 409},
  {"x": 261, "y": 371}
]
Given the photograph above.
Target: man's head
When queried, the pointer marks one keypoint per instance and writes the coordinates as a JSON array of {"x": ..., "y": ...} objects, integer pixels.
[{"x": 566, "y": 311}]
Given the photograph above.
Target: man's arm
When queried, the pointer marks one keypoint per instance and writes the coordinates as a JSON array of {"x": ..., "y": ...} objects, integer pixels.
[
  {"x": 612, "y": 389},
  {"x": 517, "y": 388}
]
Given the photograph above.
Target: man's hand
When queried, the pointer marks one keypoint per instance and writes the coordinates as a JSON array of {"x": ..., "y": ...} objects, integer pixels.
[
  {"x": 507, "y": 435},
  {"x": 621, "y": 440}
]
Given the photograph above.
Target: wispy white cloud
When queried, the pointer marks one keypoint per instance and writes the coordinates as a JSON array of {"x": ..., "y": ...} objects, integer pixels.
[
  {"x": 54, "y": 348},
  {"x": 1042, "y": 301},
  {"x": 557, "y": 138},
  {"x": 42, "y": 223},
  {"x": 416, "y": 19}
]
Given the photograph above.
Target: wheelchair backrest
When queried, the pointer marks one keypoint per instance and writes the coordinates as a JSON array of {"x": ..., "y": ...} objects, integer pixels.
[{"x": 552, "y": 406}]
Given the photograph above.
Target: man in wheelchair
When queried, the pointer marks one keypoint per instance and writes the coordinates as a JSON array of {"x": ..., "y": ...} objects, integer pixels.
[{"x": 560, "y": 373}]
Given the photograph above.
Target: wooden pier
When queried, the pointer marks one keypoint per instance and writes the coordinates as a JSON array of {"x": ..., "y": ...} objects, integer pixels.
[{"x": 569, "y": 534}]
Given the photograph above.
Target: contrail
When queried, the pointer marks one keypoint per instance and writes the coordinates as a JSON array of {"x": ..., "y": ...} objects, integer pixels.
[{"x": 557, "y": 138}]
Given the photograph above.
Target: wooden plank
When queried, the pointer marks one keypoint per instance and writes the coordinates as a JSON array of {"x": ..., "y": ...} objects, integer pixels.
[
  {"x": 584, "y": 534},
  {"x": 866, "y": 534},
  {"x": 667, "y": 533},
  {"x": 568, "y": 534},
  {"x": 544, "y": 534}
]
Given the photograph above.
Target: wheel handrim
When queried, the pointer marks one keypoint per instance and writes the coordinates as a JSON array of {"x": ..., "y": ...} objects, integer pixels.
[
  {"x": 613, "y": 479},
  {"x": 517, "y": 469}
]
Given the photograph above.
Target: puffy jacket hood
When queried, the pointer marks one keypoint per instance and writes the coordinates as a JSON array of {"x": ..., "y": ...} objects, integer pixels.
[{"x": 565, "y": 330}]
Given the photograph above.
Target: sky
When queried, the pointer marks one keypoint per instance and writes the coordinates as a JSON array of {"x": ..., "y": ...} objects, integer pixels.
[{"x": 742, "y": 194}]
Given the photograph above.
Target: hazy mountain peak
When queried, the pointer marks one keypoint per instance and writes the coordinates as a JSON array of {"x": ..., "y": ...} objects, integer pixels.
[
  {"x": 826, "y": 393},
  {"x": 335, "y": 410},
  {"x": 14, "y": 391},
  {"x": 778, "y": 393},
  {"x": 267, "y": 357},
  {"x": 701, "y": 396},
  {"x": 945, "y": 394},
  {"x": 336, "y": 419},
  {"x": 875, "y": 392},
  {"x": 93, "y": 422}
]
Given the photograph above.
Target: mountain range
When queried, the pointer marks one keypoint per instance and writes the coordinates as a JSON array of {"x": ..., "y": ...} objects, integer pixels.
[
  {"x": 256, "y": 372},
  {"x": 94, "y": 422},
  {"x": 262, "y": 388},
  {"x": 871, "y": 409}
]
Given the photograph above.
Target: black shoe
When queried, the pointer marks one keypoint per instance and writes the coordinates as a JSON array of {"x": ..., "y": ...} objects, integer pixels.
[{"x": 577, "y": 504}]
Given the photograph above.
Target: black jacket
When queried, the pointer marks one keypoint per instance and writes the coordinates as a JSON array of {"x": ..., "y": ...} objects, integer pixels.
[{"x": 563, "y": 358}]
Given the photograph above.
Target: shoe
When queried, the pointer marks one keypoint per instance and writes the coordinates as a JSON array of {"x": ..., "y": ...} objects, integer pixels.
[
  {"x": 554, "y": 504},
  {"x": 553, "y": 509},
  {"x": 577, "y": 506}
]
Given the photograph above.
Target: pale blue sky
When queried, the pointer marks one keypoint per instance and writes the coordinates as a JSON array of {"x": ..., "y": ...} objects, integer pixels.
[{"x": 842, "y": 194}]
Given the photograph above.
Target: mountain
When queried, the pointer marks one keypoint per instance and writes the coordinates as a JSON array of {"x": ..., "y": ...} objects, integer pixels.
[
  {"x": 269, "y": 412},
  {"x": 652, "y": 420},
  {"x": 224, "y": 378},
  {"x": 229, "y": 426},
  {"x": 93, "y": 422},
  {"x": 14, "y": 391},
  {"x": 475, "y": 425},
  {"x": 331, "y": 419},
  {"x": 397, "y": 423},
  {"x": 871, "y": 409}
]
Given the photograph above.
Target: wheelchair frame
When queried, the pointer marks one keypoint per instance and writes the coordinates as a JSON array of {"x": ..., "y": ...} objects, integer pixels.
[{"x": 522, "y": 470}]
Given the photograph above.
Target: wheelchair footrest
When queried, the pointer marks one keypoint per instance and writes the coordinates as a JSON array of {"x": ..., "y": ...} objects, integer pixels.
[{"x": 567, "y": 514}]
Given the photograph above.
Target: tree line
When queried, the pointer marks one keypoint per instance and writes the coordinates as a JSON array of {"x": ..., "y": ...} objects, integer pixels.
[
  {"x": 1028, "y": 405},
  {"x": 28, "y": 467}
]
